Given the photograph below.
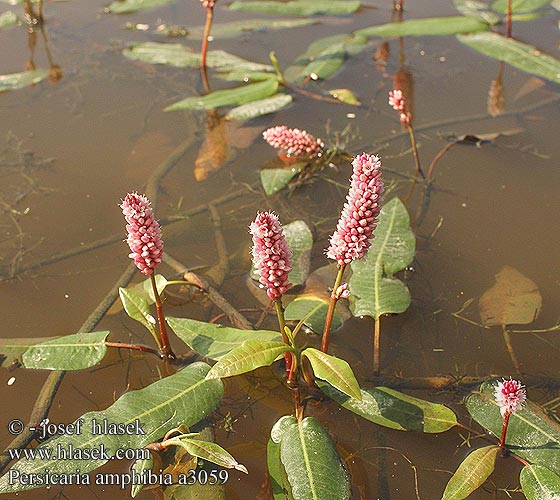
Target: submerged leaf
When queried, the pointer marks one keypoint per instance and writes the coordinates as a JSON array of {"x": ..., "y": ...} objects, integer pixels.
[
  {"x": 276, "y": 179},
  {"x": 15, "y": 81},
  {"x": 214, "y": 150},
  {"x": 520, "y": 55},
  {"x": 8, "y": 18},
  {"x": 513, "y": 300},
  {"x": 297, "y": 7}
]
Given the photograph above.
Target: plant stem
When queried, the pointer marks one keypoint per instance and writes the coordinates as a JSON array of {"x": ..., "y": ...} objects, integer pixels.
[
  {"x": 509, "y": 19},
  {"x": 134, "y": 347},
  {"x": 282, "y": 325},
  {"x": 505, "y": 451},
  {"x": 165, "y": 348},
  {"x": 376, "y": 342},
  {"x": 511, "y": 352},
  {"x": 330, "y": 312},
  {"x": 415, "y": 151},
  {"x": 204, "y": 47}
]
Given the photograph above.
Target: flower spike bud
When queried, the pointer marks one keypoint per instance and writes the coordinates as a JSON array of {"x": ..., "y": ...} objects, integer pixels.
[
  {"x": 510, "y": 396},
  {"x": 398, "y": 103},
  {"x": 293, "y": 141},
  {"x": 358, "y": 220},
  {"x": 271, "y": 255},
  {"x": 144, "y": 234}
]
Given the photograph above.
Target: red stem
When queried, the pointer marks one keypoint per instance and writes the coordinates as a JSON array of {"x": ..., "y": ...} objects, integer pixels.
[
  {"x": 504, "y": 431},
  {"x": 134, "y": 347},
  {"x": 330, "y": 311},
  {"x": 165, "y": 349},
  {"x": 204, "y": 47},
  {"x": 509, "y": 19}
]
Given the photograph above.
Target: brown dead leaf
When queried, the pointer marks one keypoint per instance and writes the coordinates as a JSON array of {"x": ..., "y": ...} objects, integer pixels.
[
  {"x": 214, "y": 150},
  {"x": 514, "y": 299}
]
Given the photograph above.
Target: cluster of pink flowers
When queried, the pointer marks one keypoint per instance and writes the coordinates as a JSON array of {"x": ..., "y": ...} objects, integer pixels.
[
  {"x": 398, "y": 103},
  {"x": 510, "y": 396},
  {"x": 208, "y": 4},
  {"x": 271, "y": 255},
  {"x": 354, "y": 230},
  {"x": 293, "y": 141},
  {"x": 144, "y": 234}
]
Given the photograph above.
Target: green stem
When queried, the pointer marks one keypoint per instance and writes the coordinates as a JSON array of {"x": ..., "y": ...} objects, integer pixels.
[
  {"x": 509, "y": 19},
  {"x": 332, "y": 305},
  {"x": 277, "y": 69},
  {"x": 165, "y": 348},
  {"x": 376, "y": 342},
  {"x": 285, "y": 339},
  {"x": 415, "y": 151}
]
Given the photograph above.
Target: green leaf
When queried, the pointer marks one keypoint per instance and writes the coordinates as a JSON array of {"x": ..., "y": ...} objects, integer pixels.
[
  {"x": 260, "y": 107},
  {"x": 71, "y": 352},
  {"x": 128, "y": 6},
  {"x": 373, "y": 290},
  {"x": 214, "y": 341},
  {"x": 8, "y": 18},
  {"x": 531, "y": 433},
  {"x": 520, "y": 55},
  {"x": 312, "y": 464},
  {"x": 180, "y": 56},
  {"x": 209, "y": 451},
  {"x": 183, "y": 398},
  {"x": 519, "y": 6},
  {"x": 314, "y": 309},
  {"x": 247, "y": 76},
  {"x": 477, "y": 9},
  {"x": 141, "y": 466},
  {"x": 238, "y": 95},
  {"x": 145, "y": 289},
  {"x": 426, "y": 27},
  {"x": 300, "y": 240},
  {"x": 393, "y": 409},
  {"x": 15, "y": 81},
  {"x": 248, "y": 26},
  {"x": 278, "y": 479},
  {"x": 11, "y": 350},
  {"x": 472, "y": 473},
  {"x": 539, "y": 483},
  {"x": 276, "y": 179},
  {"x": 250, "y": 355},
  {"x": 346, "y": 96},
  {"x": 137, "y": 308},
  {"x": 335, "y": 371},
  {"x": 297, "y": 7}
]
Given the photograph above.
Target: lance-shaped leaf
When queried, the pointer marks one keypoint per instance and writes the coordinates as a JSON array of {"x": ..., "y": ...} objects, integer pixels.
[
  {"x": 539, "y": 483},
  {"x": 129, "y": 6},
  {"x": 520, "y": 55},
  {"x": 145, "y": 289},
  {"x": 531, "y": 433},
  {"x": 260, "y": 107},
  {"x": 335, "y": 371},
  {"x": 229, "y": 97},
  {"x": 251, "y": 355},
  {"x": 472, "y": 473},
  {"x": 14, "y": 81},
  {"x": 276, "y": 179},
  {"x": 248, "y": 26},
  {"x": 214, "y": 341},
  {"x": 8, "y": 18},
  {"x": 183, "y": 398},
  {"x": 374, "y": 291},
  {"x": 137, "y": 308},
  {"x": 478, "y": 10},
  {"x": 312, "y": 464},
  {"x": 426, "y": 27},
  {"x": 519, "y": 6},
  {"x": 207, "y": 450},
  {"x": 71, "y": 352},
  {"x": 393, "y": 409},
  {"x": 11, "y": 350},
  {"x": 297, "y": 7},
  {"x": 313, "y": 310}
]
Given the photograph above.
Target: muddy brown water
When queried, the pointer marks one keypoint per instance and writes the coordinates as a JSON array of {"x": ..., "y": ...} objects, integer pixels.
[{"x": 100, "y": 132}]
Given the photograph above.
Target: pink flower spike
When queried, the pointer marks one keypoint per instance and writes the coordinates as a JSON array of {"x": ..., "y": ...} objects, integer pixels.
[
  {"x": 396, "y": 100},
  {"x": 510, "y": 396},
  {"x": 271, "y": 255},
  {"x": 144, "y": 234},
  {"x": 293, "y": 141},
  {"x": 358, "y": 220}
]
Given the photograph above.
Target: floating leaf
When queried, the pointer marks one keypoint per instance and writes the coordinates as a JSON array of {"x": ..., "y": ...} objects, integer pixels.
[
  {"x": 278, "y": 479},
  {"x": 426, "y": 27},
  {"x": 276, "y": 179},
  {"x": 393, "y": 409},
  {"x": 478, "y": 9},
  {"x": 260, "y": 107},
  {"x": 333, "y": 370},
  {"x": 247, "y": 76},
  {"x": 180, "y": 56},
  {"x": 531, "y": 433},
  {"x": 472, "y": 473},
  {"x": 15, "y": 81},
  {"x": 209, "y": 451},
  {"x": 312, "y": 464},
  {"x": 183, "y": 398},
  {"x": 11, "y": 350},
  {"x": 513, "y": 300},
  {"x": 137, "y": 308},
  {"x": 8, "y": 18},
  {"x": 346, "y": 96},
  {"x": 300, "y": 240},
  {"x": 519, "y": 6},
  {"x": 520, "y": 55},
  {"x": 214, "y": 341},
  {"x": 238, "y": 95},
  {"x": 539, "y": 483},
  {"x": 128, "y": 6},
  {"x": 297, "y": 7},
  {"x": 314, "y": 309},
  {"x": 248, "y": 26},
  {"x": 374, "y": 291},
  {"x": 145, "y": 289},
  {"x": 251, "y": 355},
  {"x": 71, "y": 352}
]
